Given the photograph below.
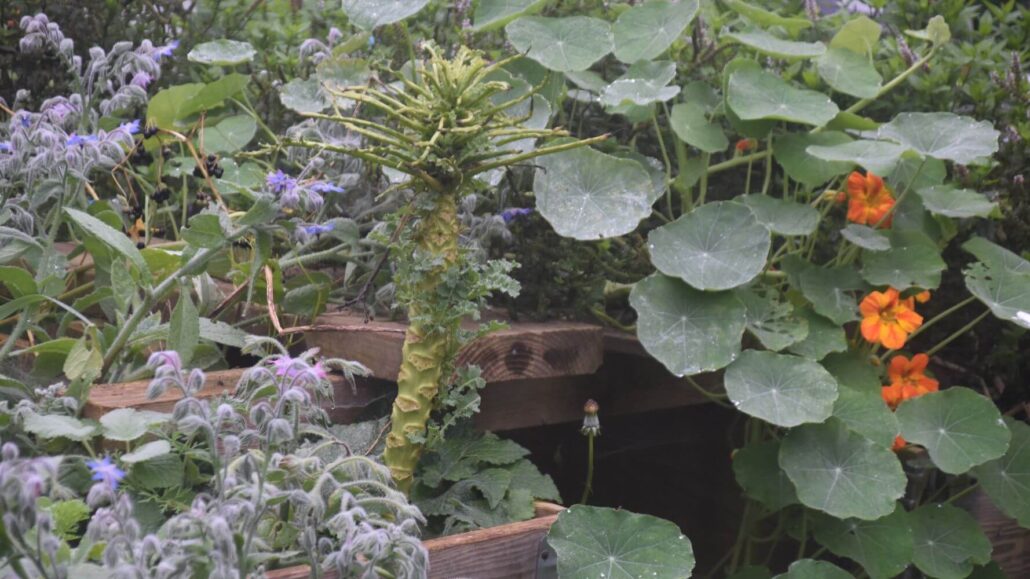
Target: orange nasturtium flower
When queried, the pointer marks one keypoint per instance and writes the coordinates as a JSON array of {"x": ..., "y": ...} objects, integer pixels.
[
  {"x": 746, "y": 145},
  {"x": 923, "y": 296},
  {"x": 899, "y": 443},
  {"x": 868, "y": 199},
  {"x": 908, "y": 379},
  {"x": 887, "y": 319}
]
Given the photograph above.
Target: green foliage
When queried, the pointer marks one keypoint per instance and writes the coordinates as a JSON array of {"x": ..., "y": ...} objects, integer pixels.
[
  {"x": 471, "y": 480},
  {"x": 602, "y": 542}
]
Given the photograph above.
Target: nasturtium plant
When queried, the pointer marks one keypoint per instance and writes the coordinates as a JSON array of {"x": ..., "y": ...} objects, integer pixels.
[
  {"x": 770, "y": 193},
  {"x": 602, "y": 542}
]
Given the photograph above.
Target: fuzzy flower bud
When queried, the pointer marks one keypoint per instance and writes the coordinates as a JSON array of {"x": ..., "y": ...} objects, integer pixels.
[{"x": 591, "y": 424}]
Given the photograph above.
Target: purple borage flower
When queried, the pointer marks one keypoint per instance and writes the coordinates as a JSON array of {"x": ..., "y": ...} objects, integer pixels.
[
  {"x": 512, "y": 213},
  {"x": 25, "y": 121},
  {"x": 141, "y": 79},
  {"x": 5, "y": 147},
  {"x": 289, "y": 368},
  {"x": 106, "y": 471}
]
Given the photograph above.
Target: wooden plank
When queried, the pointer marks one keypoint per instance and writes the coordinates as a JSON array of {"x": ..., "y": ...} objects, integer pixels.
[
  {"x": 522, "y": 351},
  {"x": 349, "y": 400},
  {"x": 1010, "y": 541},
  {"x": 503, "y": 552},
  {"x": 625, "y": 384}
]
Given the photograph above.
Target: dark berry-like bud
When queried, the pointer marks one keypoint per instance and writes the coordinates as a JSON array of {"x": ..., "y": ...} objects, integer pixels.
[
  {"x": 149, "y": 131},
  {"x": 217, "y": 172},
  {"x": 161, "y": 195},
  {"x": 198, "y": 172}
]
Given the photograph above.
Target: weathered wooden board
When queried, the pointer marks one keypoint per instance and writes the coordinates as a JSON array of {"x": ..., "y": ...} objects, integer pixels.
[
  {"x": 522, "y": 351},
  {"x": 505, "y": 552},
  {"x": 349, "y": 400},
  {"x": 1010, "y": 541}
]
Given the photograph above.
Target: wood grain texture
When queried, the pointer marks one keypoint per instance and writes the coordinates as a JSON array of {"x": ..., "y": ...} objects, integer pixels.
[
  {"x": 349, "y": 400},
  {"x": 524, "y": 350},
  {"x": 1010, "y": 541},
  {"x": 504, "y": 552},
  {"x": 625, "y": 384}
]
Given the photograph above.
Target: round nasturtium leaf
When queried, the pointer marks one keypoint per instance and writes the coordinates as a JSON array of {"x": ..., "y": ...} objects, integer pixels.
[
  {"x": 849, "y": 73},
  {"x": 823, "y": 337},
  {"x": 493, "y": 14},
  {"x": 1006, "y": 292},
  {"x": 229, "y": 135},
  {"x": 944, "y": 136},
  {"x": 866, "y": 237},
  {"x": 865, "y": 413},
  {"x": 303, "y": 96},
  {"x": 125, "y": 424},
  {"x": 840, "y": 472},
  {"x": 756, "y": 94},
  {"x": 152, "y": 449},
  {"x": 880, "y": 157},
  {"x": 1007, "y": 479},
  {"x": 758, "y": 472},
  {"x": 860, "y": 35},
  {"x": 586, "y": 194},
  {"x": 369, "y": 14},
  {"x": 831, "y": 291},
  {"x": 782, "y": 390},
  {"x": 690, "y": 123},
  {"x": 791, "y": 153},
  {"x": 594, "y": 542},
  {"x": 222, "y": 52},
  {"x": 772, "y": 319},
  {"x": 812, "y": 569},
  {"x": 767, "y": 44},
  {"x": 780, "y": 215},
  {"x": 687, "y": 330},
  {"x": 995, "y": 256},
  {"x": 947, "y": 541},
  {"x": 912, "y": 261},
  {"x": 717, "y": 246},
  {"x": 951, "y": 201},
  {"x": 959, "y": 428},
  {"x": 883, "y": 547},
  {"x": 766, "y": 19},
  {"x": 636, "y": 91},
  {"x": 561, "y": 44},
  {"x": 647, "y": 30}
]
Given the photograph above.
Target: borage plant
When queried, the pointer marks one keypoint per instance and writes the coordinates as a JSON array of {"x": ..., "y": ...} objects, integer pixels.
[{"x": 278, "y": 487}]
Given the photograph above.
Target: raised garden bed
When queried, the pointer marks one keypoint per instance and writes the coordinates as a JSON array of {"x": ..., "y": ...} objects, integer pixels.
[{"x": 512, "y": 551}]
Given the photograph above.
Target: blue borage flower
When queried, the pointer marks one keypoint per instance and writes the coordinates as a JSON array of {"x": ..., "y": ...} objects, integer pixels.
[
  {"x": 5, "y": 147},
  {"x": 512, "y": 213},
  {"x": 77, "y": 139},
  {"x": 280, "y": 182},
  {"x": 106, "y": 471},
  {"x": 131, "y": 127},
  {"x": 324, "y": 187},
  {"x": 166, "y": 50},
  {"x": 318, "y": 229}
]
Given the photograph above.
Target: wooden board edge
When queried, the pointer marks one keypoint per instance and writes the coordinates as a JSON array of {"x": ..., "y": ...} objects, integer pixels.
[{"x": 546, "y": 515}]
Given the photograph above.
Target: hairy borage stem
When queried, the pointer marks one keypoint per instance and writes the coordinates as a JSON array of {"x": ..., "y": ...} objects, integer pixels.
[{"x": 450, "y": 124}]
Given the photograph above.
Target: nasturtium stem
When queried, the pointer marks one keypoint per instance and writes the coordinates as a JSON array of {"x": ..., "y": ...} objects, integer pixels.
[
  {"x": 957, "y": 333},
  {"x": 667, "y": 161},
  {"x": 737, "y": 161},
  {"x": 589, "y": 486},
  {"x": 893, "y": 83}
]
